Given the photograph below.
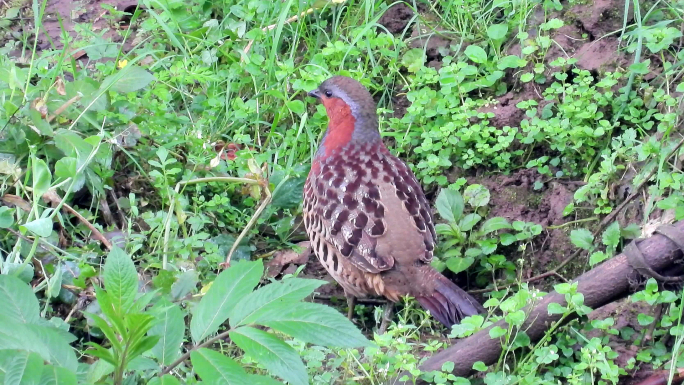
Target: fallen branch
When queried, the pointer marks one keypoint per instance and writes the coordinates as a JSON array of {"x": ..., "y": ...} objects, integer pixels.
[
  {"x": 52, "y": 197},
  {"x": 605, "y": 283}
]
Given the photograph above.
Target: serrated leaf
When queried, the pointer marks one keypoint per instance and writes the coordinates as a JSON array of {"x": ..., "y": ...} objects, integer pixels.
[
  {"x": 18, "y": 301},
  {"x": 17, "y": 336},
  {"x": 597, "y": 257},
  {"x": 279, "y": 294},
  {"x": 278, "y": 357},
  {"x": 228, "y": 289},
  {"x": 507, "y": 239},
  {"x": 449, "y": 205},
  {"x": 458, "y": 264},
  {"x": 314, "y": 323},
  {"x": 120, "y": 279},
  {"x": 57, "y": 343},
  {"x": 582, "y": 238},
  {"x": 55, "y": 375},
  {"x": 611, "y": 237},
  {"x": 171, "y": 329},
  {"x": 215, "y": 368},
  {"x": 25, "y": 369},
  {"x": 495, "y": 224}
]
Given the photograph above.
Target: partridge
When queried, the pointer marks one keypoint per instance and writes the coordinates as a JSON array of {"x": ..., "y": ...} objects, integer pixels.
[{"x": 366, "y": 215}]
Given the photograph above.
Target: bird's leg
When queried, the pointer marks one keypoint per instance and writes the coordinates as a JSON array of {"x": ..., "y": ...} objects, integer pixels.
[
  {"x": 386, "y": 317},
  {"x": 351, "y": 303}
]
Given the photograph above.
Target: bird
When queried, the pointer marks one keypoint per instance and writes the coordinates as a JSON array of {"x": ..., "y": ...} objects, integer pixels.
[{"x": 366, "y": 215}]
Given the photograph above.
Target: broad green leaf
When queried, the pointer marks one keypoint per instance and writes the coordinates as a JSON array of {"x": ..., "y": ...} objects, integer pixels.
[
  {"x": 66, "y": 168},
  {"x": 40, "y": 123},
  {"x": 476, "y": 54},
  {"x": 42, "y": 179},
  {"x": 130, "y": 79},
  {"x": 166, "y": 379},
  {"x": 510, "y": 61},
  {"x": 18, "y": 336},
  {"x": 507, "y": 239},
  {"x": 289, "y": 193},
  {"x": 278, "y": 357},
  {"x": 449, "y": 205},
  {"x": 496, "y": 332},
  {"x": 469, "y": 221},
  {"x": 72, "y": 145},
  {"x": 120, "y": 279},
  {"x": 57, "y": 342},
  {"x": 495, "y": 224},
  {"x": 641, "y": 68},
  {"x": 41, "y": 227},
  {"x": 275, "y": 294},
  {"x": 582, "y": 238},
  {"x": 55, "y": 375},
  {"x": 314, "y": 323},
  {"x": 171, "y": 329},
  {"x": 18, "y": 301},
  {"x": 228, "y": 289},
  {"x": 497, "y": 32},
  {"x": 215, "y": 368},
  {"x": 458, "y": 264},
  {"x": 55, "y": 282},
  {"x": 597, "y": 257},
  {"x": 611, "y": 237},
  {"x": 556, "y": 308},
  {"x": 296, "y": 106},
  {"x": 476, "y": 195},
  {"x": 6, "y": 217},
  {"x": 25, "y": 369}
]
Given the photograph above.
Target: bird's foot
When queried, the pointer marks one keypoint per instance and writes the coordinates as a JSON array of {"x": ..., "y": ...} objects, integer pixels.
[
  {"x": 386, "y": 317},
  {"x": 351, "y": 303}
]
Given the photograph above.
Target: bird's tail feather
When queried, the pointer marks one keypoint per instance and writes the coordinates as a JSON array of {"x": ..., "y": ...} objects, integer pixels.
[{"x": 449, "y": 304}]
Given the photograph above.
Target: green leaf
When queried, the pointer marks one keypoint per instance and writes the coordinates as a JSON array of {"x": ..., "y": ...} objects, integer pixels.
[
  {"x": 507, "y": 239},
  {"x": 476, "y": 54},
  {"x": 645, "y": 319},
  {"x": 166, "y": 379},
  {"x": 6, "y": 217},
  {"x": 476, "y": 195},
  {"x": 278, "y": 357},
  {"x": 288, "y": 194},
  {"x": 55, "y": 282},
  {"x": 171, "y": 328},
  {"x": 641, "y": 68},
  {"x": 314, "y": 323},
  {"x": 57, "y": 343},
  {"x": 526, "y": 77},
  {"x": 480, "y": 366},
  {"x": 120, "y": 279},
  {"x": 611, "y": 237},
  {"x": 556, "y": 308},
  {"x": 42, "y": 179},
  {"x": 228, "y": 289},
  {"x": 458, "y": 264},
  {"x": 510, "y": 61},
  {"x": 496, "y": 332},
  {"x": 497, "y": 32},
  {"x": 495, "y": 224},
  {"x": 41, "y": 124},
  {"x": 597, "y": 257},
  {"x": 55, "y": 375},
  {"x": 215, "y": 368},
  {"x": 469, "y": 221},
  {"x": 413, "y": 60},
  {"x": 25, "y": 369},
  {"x": 582, "y": 238},
  {"x": 66, "y": 168},
  {"x": 296, "y": 106},
  {"x": 130, "y": 79},
  {"x": 449, "y": 205},
  {"x": 41, "y": 227},
  {"x": 279, "y": 294},
  {"x": 18, "y": 301}
]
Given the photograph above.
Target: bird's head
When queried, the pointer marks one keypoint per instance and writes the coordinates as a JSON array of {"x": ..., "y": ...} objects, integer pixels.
[{"x": 351, "y": 111}]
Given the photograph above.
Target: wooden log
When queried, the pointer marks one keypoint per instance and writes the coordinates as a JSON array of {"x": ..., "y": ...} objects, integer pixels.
[{"x": 605, "y": 283}]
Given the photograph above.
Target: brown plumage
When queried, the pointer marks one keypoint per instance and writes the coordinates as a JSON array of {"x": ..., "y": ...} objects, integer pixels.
[{"x": 368, "y": 220}]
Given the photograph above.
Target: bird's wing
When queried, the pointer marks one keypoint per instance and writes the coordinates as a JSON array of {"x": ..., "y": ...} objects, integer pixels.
[{"x": 370, "y": 207}]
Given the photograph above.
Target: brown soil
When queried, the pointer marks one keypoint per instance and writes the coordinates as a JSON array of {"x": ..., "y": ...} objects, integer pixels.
[{"x": 396, "y": 18}]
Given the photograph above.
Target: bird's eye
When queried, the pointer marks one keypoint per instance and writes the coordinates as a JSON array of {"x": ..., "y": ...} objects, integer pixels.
[{"x": 328, "y": 93}]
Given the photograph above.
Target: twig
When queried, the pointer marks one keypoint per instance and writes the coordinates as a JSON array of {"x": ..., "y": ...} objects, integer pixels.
[
  {"x": 186, "y": 355},
  {"x": 63, "y": 107},
  {"x": 52, "y": 197}
]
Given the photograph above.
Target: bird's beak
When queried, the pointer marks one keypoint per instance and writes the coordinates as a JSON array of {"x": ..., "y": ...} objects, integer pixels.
[{"x": 315, "y": 94}]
